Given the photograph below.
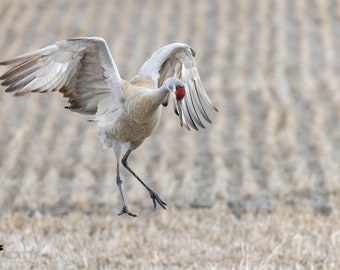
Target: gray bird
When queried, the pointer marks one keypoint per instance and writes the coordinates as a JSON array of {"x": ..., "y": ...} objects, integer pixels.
[{"x": 126, "y": 113}]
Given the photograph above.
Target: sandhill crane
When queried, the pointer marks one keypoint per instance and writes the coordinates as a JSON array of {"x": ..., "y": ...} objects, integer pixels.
[{"x": 126, "y": 113}]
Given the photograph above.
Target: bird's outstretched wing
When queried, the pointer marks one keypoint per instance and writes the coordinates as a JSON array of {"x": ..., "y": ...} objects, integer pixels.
[
  {"x": 177, "y": 60},
  {"x": 80, "y": 68}
]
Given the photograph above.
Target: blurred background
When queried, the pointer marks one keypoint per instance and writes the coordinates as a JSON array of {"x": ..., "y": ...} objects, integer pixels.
[{"x": 271, "y": 68}]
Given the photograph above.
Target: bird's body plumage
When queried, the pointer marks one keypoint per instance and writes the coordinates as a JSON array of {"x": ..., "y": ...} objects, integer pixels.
[
  {"x": 134, "y": 118},
  {"x": 126, "y": 113}
]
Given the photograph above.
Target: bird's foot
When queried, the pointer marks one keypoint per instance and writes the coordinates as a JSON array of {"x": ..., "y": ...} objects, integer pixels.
[
  {"x": 125, "y": 210},
  {"x": 155, "y": 198}
]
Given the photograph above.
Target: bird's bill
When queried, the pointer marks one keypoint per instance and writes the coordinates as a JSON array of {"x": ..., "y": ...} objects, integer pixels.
[{"x": 179, "y": 111}]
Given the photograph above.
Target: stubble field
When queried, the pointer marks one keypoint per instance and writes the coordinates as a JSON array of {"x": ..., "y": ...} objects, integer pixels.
[{"x": 258, "y": 189}]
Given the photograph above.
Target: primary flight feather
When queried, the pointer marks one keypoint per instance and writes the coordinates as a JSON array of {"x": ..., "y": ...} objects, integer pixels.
[{"x": 126, "y": 113}]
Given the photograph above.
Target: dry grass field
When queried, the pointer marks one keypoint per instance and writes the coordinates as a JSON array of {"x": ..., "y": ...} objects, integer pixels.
[{"x": 258, "y": 189}]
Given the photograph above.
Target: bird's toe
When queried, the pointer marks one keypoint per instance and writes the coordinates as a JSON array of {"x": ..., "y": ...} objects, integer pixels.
[
  {"x": 125, "y": 210},
  {"x": 156, "y": 199}
]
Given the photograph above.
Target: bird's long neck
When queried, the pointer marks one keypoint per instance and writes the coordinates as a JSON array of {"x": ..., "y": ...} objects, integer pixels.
[
  {"x": 150, "y": 99},
  {"x": 148, "y": 106},
  {"x": 154, "y": 96},
  {"x": 159, "y": 95}
]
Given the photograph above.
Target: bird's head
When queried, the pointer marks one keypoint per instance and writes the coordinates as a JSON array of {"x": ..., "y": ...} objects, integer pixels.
[{"x": 177, "y": 89}]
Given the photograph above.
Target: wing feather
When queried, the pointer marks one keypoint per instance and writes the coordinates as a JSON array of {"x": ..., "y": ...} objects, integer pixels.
[
  {"x": 82, "y": 69},
  {"x": 177, "y": 60}
]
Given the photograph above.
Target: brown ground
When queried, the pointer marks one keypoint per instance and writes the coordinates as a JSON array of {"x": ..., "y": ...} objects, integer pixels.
[{"x": 259, "y": 189}]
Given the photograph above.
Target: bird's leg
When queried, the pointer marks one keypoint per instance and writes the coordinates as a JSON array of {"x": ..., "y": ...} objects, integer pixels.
[
  {"x": 119, "y": 182},
  {"x": 154, "y": 196}
]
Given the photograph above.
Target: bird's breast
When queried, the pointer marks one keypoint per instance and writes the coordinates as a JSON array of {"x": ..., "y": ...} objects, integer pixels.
[{"x": 132, "y": 129}]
